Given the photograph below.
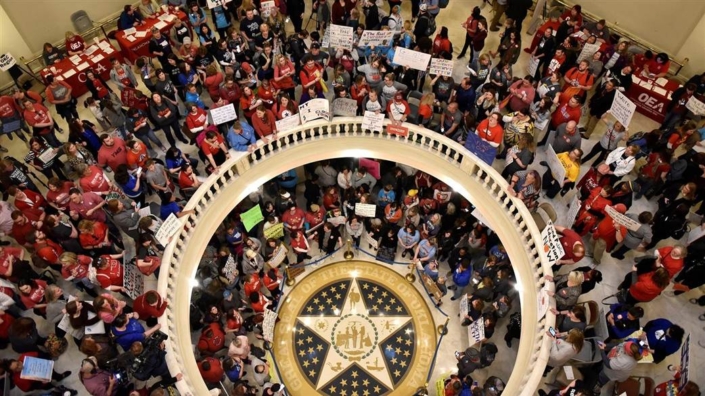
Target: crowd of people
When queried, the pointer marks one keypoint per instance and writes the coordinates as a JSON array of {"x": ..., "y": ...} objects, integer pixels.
[{"x": 78, "y": 208}]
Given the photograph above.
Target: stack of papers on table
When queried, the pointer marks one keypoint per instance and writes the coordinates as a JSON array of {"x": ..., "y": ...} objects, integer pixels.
[
  {"x": 90, "y": 50},
  {"x": 82, "y": 66},
  {"x": 131, "y": 39},
  {"x": 130, "y": 31},
  {"x": 104, "y": 45},
  {"x": 659, "y": 90},
  {"x": 141, "y": 34},
  {"x": 645, "y": 84},
  {"x": 108, "y": 50},
  {"x": 75, "y": 59},
  {"x": 661, "y": 81},
  {"x": 160, "y": 25},
  {"x": 97, "y": 58},
  {"x": 164, "y": 17},
  {"x": 69, "y": 73},
  {"x": 635, "y": 79}
]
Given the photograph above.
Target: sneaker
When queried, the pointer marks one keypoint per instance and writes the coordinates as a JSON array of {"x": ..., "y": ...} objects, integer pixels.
[
  {"x": 527, "y": 50},
  {"x": 3, "y": 150},
  {"x": 509, "y": 343},
  {"x": 64, "y": 375}
]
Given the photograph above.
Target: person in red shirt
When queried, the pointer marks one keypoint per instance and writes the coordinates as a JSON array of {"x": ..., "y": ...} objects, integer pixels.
[
  {"x": 490, "y": 131},
  {"x": 265, "y": 124},
  {"x": 259, "y": 302},
  {"x": 137, "y": 154},
  {"x": 567, "y": 111},
  {"x": 76, "y": 268},
  {"x": 252, "y": 284},
  {"x": 112, "y": 153},
  {"x": 46, "y": 249},
  {"x": 27, "y": 385},
  {"x": 109, "y": 273},
  {"x": 187, "y": 178},
  {"x": 578, "y": 81},
  {"x": 592, "y": 209},
  {"x": 285, "y": 107},
  {"x": 197, "y": 118},
  {"x": 93, "y": 179},
  {"x": 671, "y": 258},
  {"x": 300, "y": 245},
  {"x": 12, "y": 265},
  {"x": 657, "y": 68},
  {"x": 30, "y": 203},
  {"x": 150, "y": 306},
  {"x": 315, "y": 216},
  {"x": 441, "y": 44},
  {"x": 359, "y": 90},
  {"x": 74, "y": 43},
  {"x": 249, "y": 103},
  {"x": 86, "y": 206},
  {"x": 231, "y": 92},
  {"x": 272, "y": 280},
  {"x": 470, "y": 26},
  {"x": 284, "y": 72},
  {"x": 32, "y": 295},
  {"x": 214, "y": 149},
  {"x": 574, "y": 14},
  {"x": 21, "y": 227},
  {"x": 572, "y": 246},
  {"x": 311, "y": 74},
  {"x": 605, "y": 235},
  {"x": 9, "y": 112},
  {"x": 647, "y": 286},
  {"x": 293, "y": 218},
  {"x": 39, "y": 118},
  {"x": 267, "y": 93},
  {"x": 211, "y": 370},
  {"x": 58, "y": 193},
  {"x": 94, "y": 236}
]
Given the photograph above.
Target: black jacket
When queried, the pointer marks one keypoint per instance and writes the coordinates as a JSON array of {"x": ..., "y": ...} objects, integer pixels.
[{"x": 601, "y": 102}]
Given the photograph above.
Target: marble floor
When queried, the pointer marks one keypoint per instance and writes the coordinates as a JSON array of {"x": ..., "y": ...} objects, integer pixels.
[{"x": 677, "y": 309}]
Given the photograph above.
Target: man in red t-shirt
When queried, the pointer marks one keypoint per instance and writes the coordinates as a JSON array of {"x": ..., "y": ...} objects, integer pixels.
[
  {"x": 293, "y": 218},
  {"x": 45, "y": 248},
  {"x": 21, "y": 227},
  {"x": 567, "y": 111},
  {"x": 211, "y": 370},
  {"x": 112, "y": 153},
  {"x": 150, "y": 306},
  {"x": 136, "y": 155},
  {"x": 573, "y": 247},
  {"x": 311, "y": 73},
  {"x": 93, "y": 179},
  {"x": 87, "y": 206}
]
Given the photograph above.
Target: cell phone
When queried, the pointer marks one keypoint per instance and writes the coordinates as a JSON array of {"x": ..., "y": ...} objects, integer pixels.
[
  {"x": 474, "y": 383},
  {"x": 117, "y": 376},
  {"x": 552, "y": 331},
  {"x": 457, "y": 354},
  {"x": 600, "y": 343}
]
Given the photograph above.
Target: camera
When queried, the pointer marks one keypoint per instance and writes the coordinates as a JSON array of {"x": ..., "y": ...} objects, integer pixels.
[{"x": 128, "y": 365}]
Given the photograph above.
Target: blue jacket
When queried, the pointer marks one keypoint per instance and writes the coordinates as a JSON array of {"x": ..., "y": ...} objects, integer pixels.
[
  {"x": 622, "y": 327},
  {"x": 662, "y": 344},
  {"x": 127, "y": 21},
  {"x": 133, "y": 332},
  {"x": 462, "y": 278},
  {"x": 195, "y": 98},
  {"x": 240, "y": 142},
  {"x": 292, "y": 179}
]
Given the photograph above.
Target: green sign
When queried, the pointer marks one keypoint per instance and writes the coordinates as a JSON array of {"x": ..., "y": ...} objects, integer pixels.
[{"x": 252, "y": 217}]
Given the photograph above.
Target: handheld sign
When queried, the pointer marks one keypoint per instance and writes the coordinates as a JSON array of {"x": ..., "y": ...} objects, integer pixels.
[
  {"x": 552, "y": 243},
  {"x": 622, "y": 109},
  {"x": 695, "y": 106},
  {"x": 365, "y": 210},
  {"x": 276, "y": 231},
  {"x": 397, "y": 130},
  {"x": 588, "y": 51},
  {"x": 288, "y": 123},
  {"x": 375, "y": 38},
  {"x": 224, "y": 114},
  {"x": 413, "y": 59},
  {"x": 443, "y": 67},
  {"x": 476, "y": 331},
  {"x": 37, "y": 369},
  {"x": 622, "y": 220},
  {"x": 341, "y": 37},
  {"x": 215, "y": 3},
  {"x": 7, "y": 61},
  {"x": 533, "y": 65},
  {"x": 555, "y": 165},
  {"x": 373, "y": 122},
  {"x": 345, "y": 107},
  {"x": 167, "y": 229},
  {"x": 252, "y": 217},
  {"x": 314, "y": 109},
  {"x": 132, "y": 280},
  {"x": 573, "y": 211}
]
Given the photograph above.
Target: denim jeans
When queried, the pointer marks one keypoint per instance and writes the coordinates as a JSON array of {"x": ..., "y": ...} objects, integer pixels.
[
  {"x": 150, "y": 136},
  {"x": 459, "y": 291}
]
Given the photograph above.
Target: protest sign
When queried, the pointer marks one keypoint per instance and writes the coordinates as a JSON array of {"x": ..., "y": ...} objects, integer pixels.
[
  {"x": 372, "y": 122},
  {"x": 695, "y": 106},
  {"x": 132, "y": 280},
  {"x": 341, "y": 37},
  {"x": 543, "y": 301},
  {"x": 622, "y": 108},
  {"x": 442, "y": 196},
  {"x": 476, "y": 214},
  {"x": 371, "y": 241},
  {"x": 288, "y": 123},
  {"x": 588, "y": 51},
  {"x": 622, "y": 220},
  {"x": 372, "y": 167},
  {"x": 170, "y": 226},
  {"x": 375, "y": 38},
  {"x": 7, "y": 61},
  {"x": 476, "y": 331},
  {"x": 413, "y": 59},
  {"x": 278, "y": 256},
  {"x": 266, "y": 6},
  {"x": 397, "y": 130},
  {"x": 533, "y": 65},
  {"x": 685, "y": 363},
  {"x": 98, "y": 327},
  {"x": 480, "y": 148},
  {"x": 552, "y": 243},
  {"x": 314, "y": 109},
  {"x": 270, "y": 318},
  {"x": 224, "y": 114},
  {"x": 555, "y": 165},
  {"x": 230, "y": 269},
  {"x": 573, "y": 210},
  {"x": 215, "y": 3},
  {"x": 252, "y": 217},
  {"x": 463, "y": 307},
  {"x": 365, "y": 210},
  {"x": 325, "y": 41},
  {"x": 345, "y": 107},
  {"x": 37, "y": 369},
  {"x": 441, "y": 66},
  {"x": 127, "y": 97},
  {"x": 276, "y": 231}
]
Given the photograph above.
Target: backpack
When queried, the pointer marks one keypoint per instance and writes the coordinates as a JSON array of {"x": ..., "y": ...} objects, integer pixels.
[
  {"x": 431, "y": 26},
  {"x": 443, "y": 3},
  {"x": 384, "y": 21},
  {"x": 488, "y": 352},
  {"x": 677, "y": 170}
]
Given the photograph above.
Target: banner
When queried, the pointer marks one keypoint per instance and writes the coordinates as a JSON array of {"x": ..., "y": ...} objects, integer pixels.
[
  {"x": 695, "y": 106},
  {"x": 314, "y": 109},
  {"x": 375, "y": 38},
  {"x": 288, "y": 123},
  {"x": 345, "y": 107},
  {"x": 373, "y": 122},
  {"x": 132, "y": 280},
  {"x": 588, "y": 51},
  {"x": 7, "y": 61},
  {"x": 533, "y": 65},
  {"x": 622, "y": 220},
  {"x": 555, "y": 165},
  {"x": 215, "y": 3},
  {"x": 276, "y": 231},
  {"x": 397, "y": 130},
  {"x": 622, "y": 109},
  {"x": 552, "y": 243},
  {"x": 252, "y": 217},
  {"x": 413, "y": 59},
  {"x": 365, "y": 210},
  {"x": 341, "y": 37},
  {"x": 573, "y": 210},
  {"x": 224, "y": 114},
  {"x": 444, "y": 67},
  {"x": 37, "y": 369},
  {"x": 170, "y": 226},
  {"x": 476, "y": 331},
  {"x": 480, "y": 148}
]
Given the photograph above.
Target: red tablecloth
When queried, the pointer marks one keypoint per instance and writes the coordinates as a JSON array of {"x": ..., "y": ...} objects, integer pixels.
[
  {"x": 69, "y": 72},
  {"x": 649, "y": 102},
  {"x": 140, "y": 46}
]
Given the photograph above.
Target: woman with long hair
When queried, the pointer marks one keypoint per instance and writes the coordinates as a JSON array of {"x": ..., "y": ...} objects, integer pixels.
[
  {"x": 249, "y": 103},
  {"x": 42, "y": 157},
  {"x": 568, "y": 289},
  {"x": 284, "y": 72},
  {"x": 94, "y": 237},
  {"x": 564, "y": 348},
  {"x": 77, "y": 269},
  {"x": 108, "y": 307},
  {"x": 131, "y": 185},
  {"x": 526, "y": 185},
  {"x": 83, "y": 133},
  {"x": 520, "y": 156},
  {"x": 285, "y": 107}
]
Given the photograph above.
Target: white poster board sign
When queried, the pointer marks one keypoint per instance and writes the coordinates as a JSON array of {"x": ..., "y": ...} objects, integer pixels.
[
  {"x": 375, "y": 38},
  {"x": 533, "y": 65},
  {"x": 215, "y": 3},
  {"x": 132, "y": 280},
  {"x": 37, "y": 369},
  {"x": 270, "y": 318},
  {"x": 552, "y": 243},
  {"x": 373, "y": 122},
  {"x": 314, "y": 109},
  {"x": 7, "y": 61},
  {"x": 325, "y": 40},
  {"x": 443, "y": 67},
  {"x": 476, "y": 214},
  {"x": 685, "y": 363},
  {"x": 588, "y": 51},
  {"x": 345, "y": 107},
  {"x": 463, "y": 307},
  {"x": 555, "y": 165},
  {"x": 622, "y": 108},
  {"x": 695, "y": 106},
  {"x": 288, "y": 123},
  {"x": 573, "y": 210},
  {"x": 278, "y": 257},
  {"x": 365, "y": 210},
  {"x": 168, "y": 228},
  {"x": 371, "y": 241},
  {"x": 224, "y": 114},
  {"x": 98, "y": 328},
  {"x": 341, "y": 37},
  {"x": 622, "y": 220},
  {"x": 476, "y": 331},
  {"x": 266, "y": 6},
  {"x": 413, "y": 59}
]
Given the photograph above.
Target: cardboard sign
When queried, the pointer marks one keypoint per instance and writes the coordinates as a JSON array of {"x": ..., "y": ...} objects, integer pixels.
[
  {"x": 588, "y": 51},
  {"x": 341, "y": 37},
  {"x": 168, "y": 229},
  {"x": 132, "y": 280},
  {"x": 7, "y": 61},
  {"x": 371, "y": 241},
  {"x": 440, "y": 66},
  {"x": 36, "y": 369},
  {"x": 622, "y": 109},
  {"x": 345, "y": 107},
  {"x": 276, "y": 231},
  {"x": 365, "y": 210},
  {"x": 533, "y": 65},
  {"x": 252, "y": 217},
  {"x": 551, "y": 243},
  {"x": 373, "y": 122},
  {"x": 476, "y": 331},
  {"x": 413, "y": 59},
  {"x": 230, "y": 269},
  {"x": 314, "y": 109},
  {"x": 224, "y": 114},
  {"x": 555, "y": 165},
  {"x": 573, "y": 210},
  {"x": 215, "y": 3},
  {"x": 397, "y": 130},
  {"x": 695, "y": 106},
  {"x": 622, "y": 220},
  {"x": 375, "y": 38},
  {"x": 463, "y": 307},
  {"x": 288, "y": 123}
]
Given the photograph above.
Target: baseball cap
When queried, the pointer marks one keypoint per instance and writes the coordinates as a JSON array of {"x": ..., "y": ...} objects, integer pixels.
[
  {"x": 315, "y": 46},
  {"x": 412, "y": 193},
  {"x": 227, "y": 293},
  {"x": 399, "y": 96}
]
